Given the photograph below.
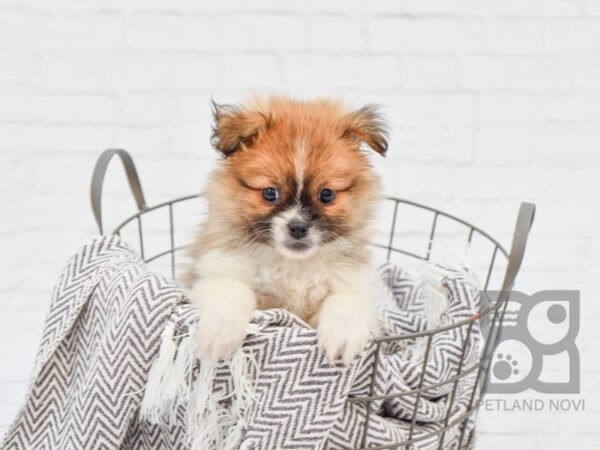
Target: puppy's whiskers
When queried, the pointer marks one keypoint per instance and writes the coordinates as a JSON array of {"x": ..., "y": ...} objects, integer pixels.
[{"x": 255, "y": 233}]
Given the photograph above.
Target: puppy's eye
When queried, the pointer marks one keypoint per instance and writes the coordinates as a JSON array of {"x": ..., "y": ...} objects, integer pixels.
[
  {"x": 326, "y": 195},
  {"x": 270, "y": 194}
]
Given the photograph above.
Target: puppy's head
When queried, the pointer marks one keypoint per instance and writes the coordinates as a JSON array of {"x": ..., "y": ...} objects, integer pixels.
[{"x": 294, "y": 176}]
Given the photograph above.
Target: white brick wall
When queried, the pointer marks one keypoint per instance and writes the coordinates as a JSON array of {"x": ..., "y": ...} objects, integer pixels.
[{"x": 491, "y": 101}]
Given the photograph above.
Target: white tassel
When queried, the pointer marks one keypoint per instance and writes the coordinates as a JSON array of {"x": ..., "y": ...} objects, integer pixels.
[
  {"x": 182, "y": 368},
  {"x": 213, "y": 419},
  {"x": 448, "y": 256},
  {"x": 437, "y": 298},
  {"x": 202, "y": 423},
  {"x": 175, "y": 385},
  {"x": 154, "y": 395},
  {"x": 211, "y": 422},
  {"x": 244, "y": 393}
]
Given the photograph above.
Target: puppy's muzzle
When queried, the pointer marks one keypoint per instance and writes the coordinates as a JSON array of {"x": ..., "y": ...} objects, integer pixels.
[{"x": 298, "y": 229}]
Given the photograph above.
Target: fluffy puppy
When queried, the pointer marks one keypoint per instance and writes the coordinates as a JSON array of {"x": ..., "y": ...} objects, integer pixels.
[{"x": 287, "y": 225}]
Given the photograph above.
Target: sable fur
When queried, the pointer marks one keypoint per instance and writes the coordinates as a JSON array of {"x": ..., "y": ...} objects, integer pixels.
[{"x": 241, "y": 258}]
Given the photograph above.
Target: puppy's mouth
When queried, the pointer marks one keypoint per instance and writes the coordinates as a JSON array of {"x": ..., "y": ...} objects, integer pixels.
[
  {"x": 296, "y": 249},
  {"x": 298, "y": 246}
]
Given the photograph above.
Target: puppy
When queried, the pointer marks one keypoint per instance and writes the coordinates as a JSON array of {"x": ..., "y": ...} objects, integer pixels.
[{"x": 287, "y": 226}]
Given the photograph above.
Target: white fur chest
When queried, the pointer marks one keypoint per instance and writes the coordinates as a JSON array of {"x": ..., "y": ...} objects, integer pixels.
[{"x": 296, "y": 285}]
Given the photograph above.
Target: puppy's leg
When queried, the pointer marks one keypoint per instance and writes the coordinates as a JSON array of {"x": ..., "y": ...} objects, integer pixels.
[
  {"x": 226, "y": 305},
  {"x": 346, "y": 320}
]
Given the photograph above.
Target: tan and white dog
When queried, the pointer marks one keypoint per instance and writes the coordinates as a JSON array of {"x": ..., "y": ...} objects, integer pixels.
[{"x": 287, "y": 226}]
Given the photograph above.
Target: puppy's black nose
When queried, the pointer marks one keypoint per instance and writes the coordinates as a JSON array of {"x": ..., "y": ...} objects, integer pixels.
[{"x": 298, "y": 229}]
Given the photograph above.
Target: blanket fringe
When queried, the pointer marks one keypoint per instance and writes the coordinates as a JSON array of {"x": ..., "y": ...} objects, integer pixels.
[
  {"x": 155, "y": 394},
  {"x": 212, "y": 419},
  {"x": 447, "y": 257}
]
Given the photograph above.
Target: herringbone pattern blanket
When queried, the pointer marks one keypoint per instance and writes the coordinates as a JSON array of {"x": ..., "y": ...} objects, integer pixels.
[{"x": 116, "y": 369}]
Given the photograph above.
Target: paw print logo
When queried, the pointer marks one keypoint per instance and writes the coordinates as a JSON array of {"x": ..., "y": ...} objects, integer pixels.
[
  {"x": 537, "y": 329},
  {"x": 505, "y": 367}
]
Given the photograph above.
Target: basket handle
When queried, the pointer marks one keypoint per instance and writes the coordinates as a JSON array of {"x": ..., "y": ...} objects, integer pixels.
[
  {"x": 517, "y": 250},
  {"x": 98, "y": 182}
]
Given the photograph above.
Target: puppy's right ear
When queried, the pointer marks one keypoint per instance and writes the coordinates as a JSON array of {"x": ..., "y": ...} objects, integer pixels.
[{"x": 235, "y": 127}]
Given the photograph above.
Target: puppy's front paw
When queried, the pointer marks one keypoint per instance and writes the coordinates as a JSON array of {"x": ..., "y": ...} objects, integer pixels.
[
  {"x": 226, "y": 307},
  {"x": 342, "y": 337},
  {"x": 220, "y": 336}
]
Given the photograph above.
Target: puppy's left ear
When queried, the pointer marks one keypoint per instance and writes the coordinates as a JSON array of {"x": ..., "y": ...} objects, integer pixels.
[{"x": 368, "y": 126}]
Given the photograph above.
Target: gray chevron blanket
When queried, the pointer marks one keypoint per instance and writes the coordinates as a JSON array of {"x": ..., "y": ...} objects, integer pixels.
[{"x": 116, "y": 369}]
